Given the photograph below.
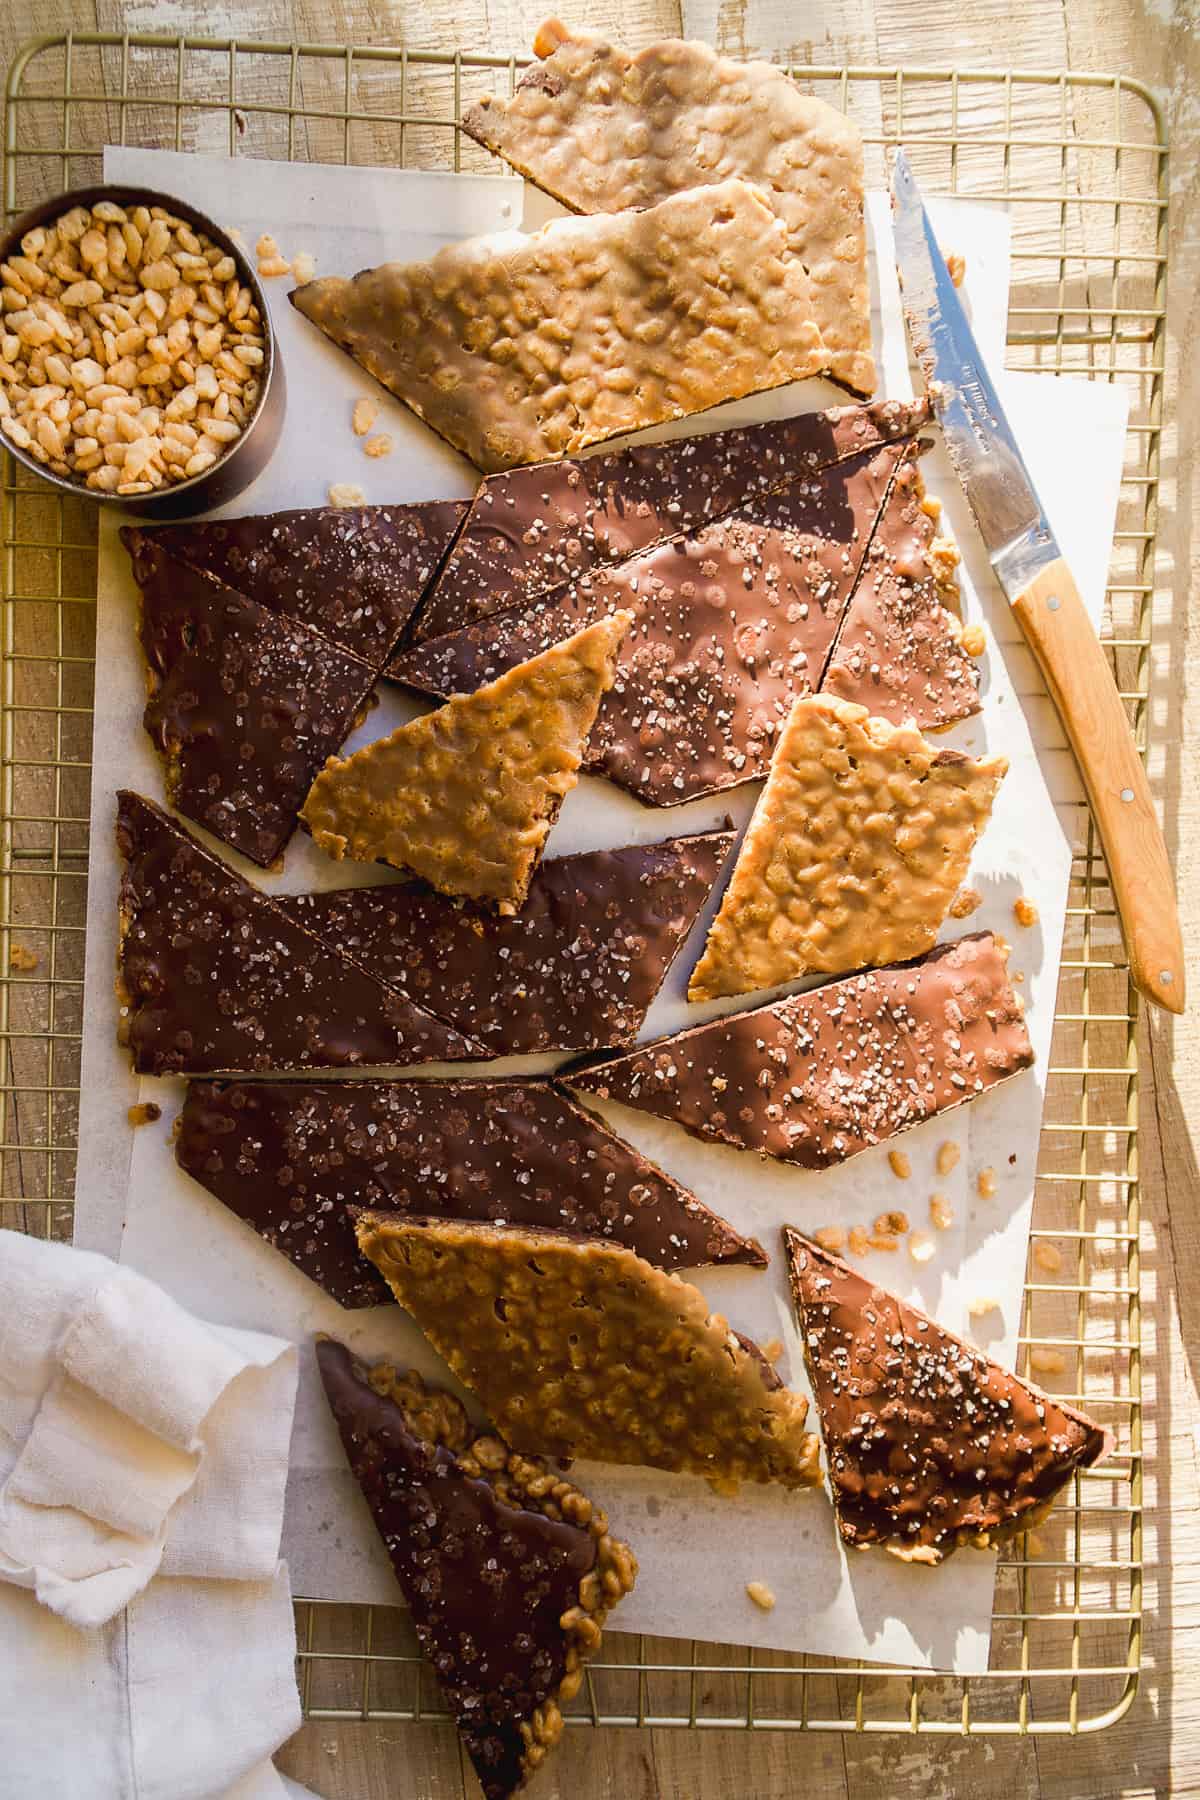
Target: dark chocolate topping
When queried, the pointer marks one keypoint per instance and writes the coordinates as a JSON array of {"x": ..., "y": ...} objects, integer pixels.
[
  {"x": 816, "y": 1077},
  {"x": 291, "y": 1158},
  {"x": 575, "y": 969},
  {"x": 487, "y": 1582},
  {"x": 354, "y": 574},
  {"x": 731, "y": 626},
  {"x": 925, "y": 1437},
  {"x": 899, "y": 652},
  {"x": 213, "y": 975},
  {"x": 245, "y": 705},
  {"x": 534, "y": 529}
]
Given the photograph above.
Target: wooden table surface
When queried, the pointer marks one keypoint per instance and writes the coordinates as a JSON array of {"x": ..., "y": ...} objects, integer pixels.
[{"x": 1155, "y": 1749}]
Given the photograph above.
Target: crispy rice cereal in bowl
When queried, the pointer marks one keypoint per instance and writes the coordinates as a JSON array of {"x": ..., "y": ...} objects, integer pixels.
[{"x": 135, "y": 352}]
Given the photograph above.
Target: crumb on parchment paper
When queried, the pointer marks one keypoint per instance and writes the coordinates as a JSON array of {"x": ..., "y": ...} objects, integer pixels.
[{"x": 761, "y": 1595}]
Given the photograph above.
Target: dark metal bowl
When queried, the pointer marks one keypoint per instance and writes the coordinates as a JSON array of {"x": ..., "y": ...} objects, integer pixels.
[{"x": 248, "y": 455}]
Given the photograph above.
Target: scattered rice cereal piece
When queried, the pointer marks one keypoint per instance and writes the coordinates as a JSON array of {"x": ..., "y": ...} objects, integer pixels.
[
  {"x": 965, "y": 902},
  {"x": 1024, "y": 911},
  {"x": 956, "y": 268},
  {"x": 146, "y": 1112},
  {"x": 761, "y": 1594},
  {"x": 1047, "y": 1256},
  {"x": 304, "y": 267},
  {"x": 921, "y": 1247},
  {"x": 985, "y": 1184},
  {"x": 889, "y": 1222},
  {"x": 947, "y": 1157},
  {"x": 1047, "y": 1361},
  {"x": 974, "y": 641},
  {"x": 365, "y": 413},
  {"x": 345, "y": 493},
  {"x": 859, "y": 1242},
  {"x": 381, "y": 445},
  {"x": 983, "y": 1304},
  {"x": 883, "y": 1240},
  {"x": 941, "y": 1212},
  {"x": 830, "y": 1237},
  {"x": 899, "y": 1164}
]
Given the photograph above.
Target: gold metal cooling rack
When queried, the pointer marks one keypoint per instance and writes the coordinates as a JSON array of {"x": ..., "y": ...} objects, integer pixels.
[{"x": 1081, "y": 160}]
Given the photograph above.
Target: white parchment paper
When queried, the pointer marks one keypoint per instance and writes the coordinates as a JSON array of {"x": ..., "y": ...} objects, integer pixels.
[{"x": 696, "y": 1551}]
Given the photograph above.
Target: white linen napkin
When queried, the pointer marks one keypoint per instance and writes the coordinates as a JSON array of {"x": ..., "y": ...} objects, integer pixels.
[{"x": 147, "y": 1642}]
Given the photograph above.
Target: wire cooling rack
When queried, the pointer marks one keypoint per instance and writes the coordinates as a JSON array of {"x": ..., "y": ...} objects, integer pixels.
[{"x": 1081, "y": 159}]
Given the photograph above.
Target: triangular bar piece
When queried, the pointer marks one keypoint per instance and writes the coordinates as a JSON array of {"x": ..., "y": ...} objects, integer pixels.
[
  {"x": 578, "y": 1348},
  {"x": 519, "y": 348},
  {"x": 353, "y": 573},
  {"x": 465, "y": 796},
  {"x": 245, "y": 705},
  {"x": 858, "y": 844},
  {"x": 930, "y": 1444},
  {"x": 291, "y": 1159},
  {"x": 900, "y": 649},
  {"x": 731, "y": 626},
  {"x": 576, "y": 969},
  {"x": 530, "y": 531},
  {"x": 213, "y": 975},
  {"x": 816, "y": 1077},
  {"x": 508, "y": 1570},
  {"x": 602, "y": 130}
]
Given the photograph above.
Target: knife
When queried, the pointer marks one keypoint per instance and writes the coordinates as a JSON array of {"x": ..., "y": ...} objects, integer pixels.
[{"x": 1043, "y": 594}]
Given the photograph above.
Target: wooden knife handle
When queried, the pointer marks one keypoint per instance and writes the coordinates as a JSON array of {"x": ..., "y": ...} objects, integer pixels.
[{"x": 1078, "y": 675}]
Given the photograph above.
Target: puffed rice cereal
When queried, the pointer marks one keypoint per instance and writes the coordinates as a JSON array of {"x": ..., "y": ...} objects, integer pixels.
[{"x": 130, "y": 353}]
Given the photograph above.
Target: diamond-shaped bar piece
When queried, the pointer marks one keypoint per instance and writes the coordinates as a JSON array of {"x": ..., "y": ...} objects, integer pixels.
[
  {"x": 576, "y": 969},
  {"x": 292, "y": 1158},
  {"x": 353, "y": 573},
  {"x": 900, "y": 650},
  {"x": 817, "y": 1077},
  {"x": 580, "y": 1348},
  {"x": 930, "y": 1444},
  {"x": 516, "y": 348},
  {"x": 730, "y": 627},
  {"x": 214, "y": 976},
  {"x": 602, "y": 130},
  {"x": 508, "y": 1570},
  {"x": 530, "y": 531},
  {"x": 858, "y": 844},
  {"x": 245, "y": 705},
  {"x": 465, "y": 796}
]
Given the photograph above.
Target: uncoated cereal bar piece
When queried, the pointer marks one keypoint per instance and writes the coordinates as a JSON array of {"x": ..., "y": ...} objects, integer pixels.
[
  {"x": 583, "y": 1349},
  {"x": 517, "y": 348},
  {"x": 465, "y": 796},
  {"x": 602, "y": 130},
  {"x": 856, "y": 849}
]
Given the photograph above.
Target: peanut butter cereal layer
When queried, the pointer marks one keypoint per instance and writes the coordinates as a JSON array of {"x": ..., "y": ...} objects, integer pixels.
[
  {"x": 930, "y": 1444},
  {"x": 466, "y": 795},
  {"x": 509, "y": 1571},
  {"x": 602, "y": 130},
  {"x": 857, "y": 847},
  {"x": 584, "y": 1349},
  {"x": 517, "y": 348}
]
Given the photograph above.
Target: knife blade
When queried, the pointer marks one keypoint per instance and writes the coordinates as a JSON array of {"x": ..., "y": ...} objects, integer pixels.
[{"x": 1043, "y": 594}]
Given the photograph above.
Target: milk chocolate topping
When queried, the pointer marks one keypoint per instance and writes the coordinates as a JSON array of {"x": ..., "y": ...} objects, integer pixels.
[
  {"x": 730, "y": 627},
  {"x": 290, "y": 1158},
  {"x": 245, "y": 705},
  {"x": 213, "y": 975},
  {"x": 814, "y": 1078},
  {"x": 575, "y": 969},
  {"x": 929, "y": 1443},
  {"x": 899, "y": 652},
  {"x": 497, "y": 1560},
  {"x": 355, "y": 574},
  {"x": 532, "y": 530}
]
